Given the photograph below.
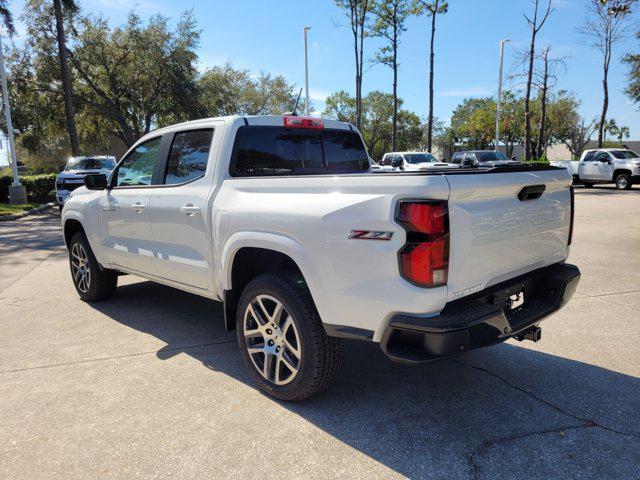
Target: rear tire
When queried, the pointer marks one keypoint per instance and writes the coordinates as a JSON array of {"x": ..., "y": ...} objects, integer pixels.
[
  {"x": 92, "y": 282},
  {"x": 282, "y": 340},
  {"x": 623, "y": 181}
]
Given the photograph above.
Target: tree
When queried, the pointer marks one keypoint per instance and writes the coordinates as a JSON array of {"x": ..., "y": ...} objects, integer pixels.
[
  {"x": 622, "y": 133},
  {"x": 6, "y": 17},
  {"x": 70, "y": 7},
  {"x": 605, "y": 28},
  {"x": 137, "y": 76},
  {"x": 578, "y": 135},
  {"x": 390, "y": 17},
  {"x": 356, "y": 11},
  {"x": 227, "y": 91},
  {"x": 377, "y": 117},
  {"x": 473, "y": 122},
  {"x": 633, "y": 75},
  {"x": 535, "y": 24},
  {"x": 433, "y": 8}
]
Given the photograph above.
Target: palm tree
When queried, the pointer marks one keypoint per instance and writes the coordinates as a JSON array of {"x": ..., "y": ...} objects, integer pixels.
[
  {"x": 623, "y": 132},
  {"x": 69, "y": 7}
]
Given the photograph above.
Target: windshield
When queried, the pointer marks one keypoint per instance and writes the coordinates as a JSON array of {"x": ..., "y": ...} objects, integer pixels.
[
  {"x": 419, "y": 158},
  {"x": 90, "y": 164},
  {"x": 491, "y": 156},
  {"x": 622, "y": 154}
]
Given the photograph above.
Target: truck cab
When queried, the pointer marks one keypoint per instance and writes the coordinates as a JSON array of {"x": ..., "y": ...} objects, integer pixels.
[{"x": 609, "y": 165}]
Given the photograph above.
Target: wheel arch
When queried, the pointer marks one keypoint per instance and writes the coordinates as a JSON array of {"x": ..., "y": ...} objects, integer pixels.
[
  {"x": 251, "y": 255},
  {"x": 621, "y": 171},
  {"x": 70, "y": 228}
]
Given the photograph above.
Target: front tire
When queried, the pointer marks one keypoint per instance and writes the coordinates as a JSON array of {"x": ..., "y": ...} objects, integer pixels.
[
  {"x": 623, "y": 181},
  {"x": 92, "y": 282},
  {"x": 282, "y": 340}
]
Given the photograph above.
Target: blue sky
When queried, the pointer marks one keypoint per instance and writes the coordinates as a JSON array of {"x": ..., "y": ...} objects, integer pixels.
[{"x": 267, "y": 35}]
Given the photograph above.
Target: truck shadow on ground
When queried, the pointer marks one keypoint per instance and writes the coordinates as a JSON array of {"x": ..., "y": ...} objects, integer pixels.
[{"x": 472, "y": 416}]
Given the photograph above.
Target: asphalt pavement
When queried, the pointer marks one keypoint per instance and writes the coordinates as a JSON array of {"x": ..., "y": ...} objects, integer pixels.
[{"x": 149, "y": 385}]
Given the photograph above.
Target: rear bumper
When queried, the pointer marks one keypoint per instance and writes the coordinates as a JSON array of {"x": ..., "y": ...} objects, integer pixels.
[{"x": 481, "y": 319}]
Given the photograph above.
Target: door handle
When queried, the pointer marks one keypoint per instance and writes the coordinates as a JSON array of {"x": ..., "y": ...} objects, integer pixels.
[
  {"x": 190, "y": 210},
  {"x": 137, "y": 207}
]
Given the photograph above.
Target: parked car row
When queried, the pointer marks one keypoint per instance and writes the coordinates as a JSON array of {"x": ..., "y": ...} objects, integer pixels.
[
  {"x": 604, "y": 165},
  {"x": 417, "y": 161}
]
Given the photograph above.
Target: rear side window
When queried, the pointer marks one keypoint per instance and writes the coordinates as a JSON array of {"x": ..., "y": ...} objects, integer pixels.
[
  {"x": 588, "y": 157},
  {"x": 267, "y": 151},
  {"x": 188, "y": 156}
]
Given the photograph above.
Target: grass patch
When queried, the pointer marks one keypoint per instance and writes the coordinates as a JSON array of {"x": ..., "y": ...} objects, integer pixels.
[{"x": 7, "y": 209}]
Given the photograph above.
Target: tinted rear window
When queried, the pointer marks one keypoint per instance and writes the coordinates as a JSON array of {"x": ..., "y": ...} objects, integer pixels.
[{"x": 264, "y": 151}]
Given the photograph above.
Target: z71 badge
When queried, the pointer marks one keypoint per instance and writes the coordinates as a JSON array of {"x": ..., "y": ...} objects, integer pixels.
[{"x": 370, "y": 235}]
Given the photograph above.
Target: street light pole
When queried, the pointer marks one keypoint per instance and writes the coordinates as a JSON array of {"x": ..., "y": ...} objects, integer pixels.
[
  {"x": 499, "y": 102},
  {"x": 17, "y": 192},
  {"x": 306, "y": 73}
]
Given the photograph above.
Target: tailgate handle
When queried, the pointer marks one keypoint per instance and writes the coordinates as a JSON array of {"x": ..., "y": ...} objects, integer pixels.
[{"x": 531, "y": 192}]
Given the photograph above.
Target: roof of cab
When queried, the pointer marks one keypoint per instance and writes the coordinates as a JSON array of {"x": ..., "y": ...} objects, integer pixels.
[{"x": 266, "y": 120}]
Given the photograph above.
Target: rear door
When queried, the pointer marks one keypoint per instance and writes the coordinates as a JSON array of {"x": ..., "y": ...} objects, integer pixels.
[
  {"x": 499, "y": 229},
  {"x": 125, "y": 232},
  {"x": 178, "y": 211}
]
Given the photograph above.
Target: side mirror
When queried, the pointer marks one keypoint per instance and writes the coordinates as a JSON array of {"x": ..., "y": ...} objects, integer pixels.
[{"x": 97, "y": 181}]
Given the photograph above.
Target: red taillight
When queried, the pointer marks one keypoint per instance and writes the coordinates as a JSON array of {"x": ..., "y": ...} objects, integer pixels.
[
  {"x": 572, "y": 214},
  {"x": 303, "y": 122},
  {"x": 424, "y": 259},
  {"x": 423, "y": 217}
]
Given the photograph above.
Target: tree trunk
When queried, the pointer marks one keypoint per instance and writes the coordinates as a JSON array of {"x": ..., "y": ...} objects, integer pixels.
[
  {"x": 66, "y": 79},
  {"x": 394, "y": 127},
  {"x": 360, "y": 65},
  {"x": 527, "y": 99},
  {"x": 431, "y": 56},
  {"x": 605, "y": 106},
  {"x": 543, "y": 109}
]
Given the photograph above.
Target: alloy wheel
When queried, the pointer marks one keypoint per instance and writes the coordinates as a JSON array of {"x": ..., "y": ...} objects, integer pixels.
[
  {"x": 80, "y": 267},
  {"x": 272, "y": 340}
]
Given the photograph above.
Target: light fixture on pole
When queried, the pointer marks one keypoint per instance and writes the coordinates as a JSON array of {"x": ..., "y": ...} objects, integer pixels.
[
  {"x": 499, "y": 101},
  {"x": 306, "y": 73},
  {"x": 17, "y": 192}
]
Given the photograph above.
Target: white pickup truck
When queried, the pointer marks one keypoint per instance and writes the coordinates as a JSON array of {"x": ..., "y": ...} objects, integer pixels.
[
  {"x": 282, "y": 220},
  {"x": 609, "y": 165}
]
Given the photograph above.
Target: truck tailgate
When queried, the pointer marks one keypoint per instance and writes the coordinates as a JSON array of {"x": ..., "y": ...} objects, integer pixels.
[{"x": 495, "y": 235}]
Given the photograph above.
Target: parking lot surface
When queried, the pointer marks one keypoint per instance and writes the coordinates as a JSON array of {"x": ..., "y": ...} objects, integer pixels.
[{"x": 148, "y": 384}]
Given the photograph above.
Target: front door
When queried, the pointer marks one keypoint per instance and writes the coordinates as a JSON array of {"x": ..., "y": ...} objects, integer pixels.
[
  {"x": 604, "y": 165},
  {"x": 179, "y": 215},
  {"x": 125, "y": 232}
]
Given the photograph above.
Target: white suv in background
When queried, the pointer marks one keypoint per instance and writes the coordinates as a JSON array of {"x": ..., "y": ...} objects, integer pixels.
[
  {"x": 74, "y": 172},
  {"x": 609, "y": 165}
]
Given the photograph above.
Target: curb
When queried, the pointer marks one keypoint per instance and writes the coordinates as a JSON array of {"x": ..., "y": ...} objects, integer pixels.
[{"x": 16, "y": 216}]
